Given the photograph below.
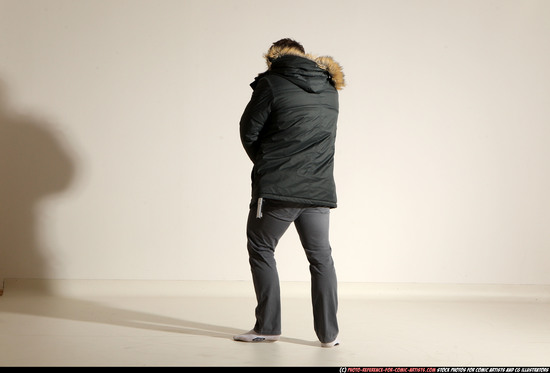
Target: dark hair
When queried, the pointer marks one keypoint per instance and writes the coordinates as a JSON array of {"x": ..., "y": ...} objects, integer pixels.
[{"x": 288, "y": 43}]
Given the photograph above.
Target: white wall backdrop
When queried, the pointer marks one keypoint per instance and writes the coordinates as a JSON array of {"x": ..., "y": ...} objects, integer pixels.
[{"x": 120, "y": 156}]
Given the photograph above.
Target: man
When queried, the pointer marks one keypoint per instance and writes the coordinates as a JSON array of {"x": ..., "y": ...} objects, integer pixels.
[{"x": 288, "y": 130}]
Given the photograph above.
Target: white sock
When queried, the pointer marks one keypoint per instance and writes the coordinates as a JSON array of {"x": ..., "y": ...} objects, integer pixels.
[
  {"x": 252, "y": 336},
  {"x": 330, "y": 344}
]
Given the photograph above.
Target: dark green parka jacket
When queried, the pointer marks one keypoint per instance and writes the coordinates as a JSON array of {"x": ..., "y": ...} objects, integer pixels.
[{"x": 288, "y": 128}]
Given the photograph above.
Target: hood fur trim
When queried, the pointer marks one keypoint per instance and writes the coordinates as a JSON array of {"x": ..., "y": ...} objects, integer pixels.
[
  {"x": 334, "y": 69},
  {"x": 324, "y": 62}
]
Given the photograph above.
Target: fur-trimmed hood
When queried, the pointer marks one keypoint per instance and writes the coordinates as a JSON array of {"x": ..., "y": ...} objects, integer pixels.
[{"x": 326, "y": 63}]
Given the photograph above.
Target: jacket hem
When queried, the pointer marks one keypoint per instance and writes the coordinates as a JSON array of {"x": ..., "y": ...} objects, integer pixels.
[{"x": 305, "y": 201}]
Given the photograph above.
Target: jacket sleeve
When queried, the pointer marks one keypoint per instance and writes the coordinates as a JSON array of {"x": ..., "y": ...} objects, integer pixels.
[{"x": 255, "y": 117}]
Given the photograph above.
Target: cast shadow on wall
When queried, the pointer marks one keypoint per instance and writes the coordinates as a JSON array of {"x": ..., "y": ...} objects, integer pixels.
[{"x": 33, "y": 164}]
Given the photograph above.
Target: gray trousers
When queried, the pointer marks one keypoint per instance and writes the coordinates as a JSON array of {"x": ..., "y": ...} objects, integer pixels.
[{"x": 263, "y": 234}]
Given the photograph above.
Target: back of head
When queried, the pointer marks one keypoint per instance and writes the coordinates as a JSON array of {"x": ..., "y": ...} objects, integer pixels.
[
  {"x": 288, "y": 43},
  {"x": 284, "y": 47}
]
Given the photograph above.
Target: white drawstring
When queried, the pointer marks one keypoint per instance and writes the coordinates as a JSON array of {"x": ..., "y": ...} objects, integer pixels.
[{"x": 259, "y": 208}]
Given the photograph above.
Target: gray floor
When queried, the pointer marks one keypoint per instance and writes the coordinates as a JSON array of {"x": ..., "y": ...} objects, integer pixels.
[{"x": 122, "y": 323}]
